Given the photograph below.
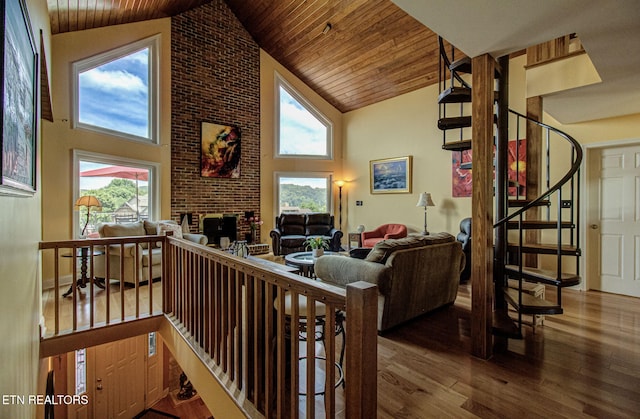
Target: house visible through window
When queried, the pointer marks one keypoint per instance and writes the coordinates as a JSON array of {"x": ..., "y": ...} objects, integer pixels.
[
  {"x": 303, "y": 192},
  {"x": 115, "y": 92},
  {"x": 124, "y": 188},
  {"x": 302, "y": 131}
]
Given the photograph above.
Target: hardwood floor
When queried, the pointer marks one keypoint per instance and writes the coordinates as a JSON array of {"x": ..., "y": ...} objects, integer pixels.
[
  {"x": 583, "y": 363},
  {"x": 191, "y": 409}
]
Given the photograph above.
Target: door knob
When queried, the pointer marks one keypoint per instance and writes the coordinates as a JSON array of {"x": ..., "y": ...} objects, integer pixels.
[
  {"x": 594, "y": 226},
  {"x": 99, "y": 386}
]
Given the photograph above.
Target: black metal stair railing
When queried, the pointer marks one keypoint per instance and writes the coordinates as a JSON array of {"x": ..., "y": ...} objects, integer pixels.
[{"x": 564, "y": 194}]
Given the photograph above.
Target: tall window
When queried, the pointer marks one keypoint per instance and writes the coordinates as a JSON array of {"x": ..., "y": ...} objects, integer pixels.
[
  {"x": 125, "y": 188},
  {"x": 303, "y": 192},
  {"x": 115, "y": 92},
  {"x": 302, "y": 131}
]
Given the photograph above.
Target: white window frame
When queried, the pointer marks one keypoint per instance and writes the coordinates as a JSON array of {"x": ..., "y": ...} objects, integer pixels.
[
  {"x": 281, "y": 82},
  {"x": 78, "y": 67},
  {"x": 153, "y": 182},
  {"x": 320, "y": 175}
]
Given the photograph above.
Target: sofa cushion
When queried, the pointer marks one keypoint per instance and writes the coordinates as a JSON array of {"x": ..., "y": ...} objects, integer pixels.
[
  {"x": 156, "y": 259},
  {"x": 293, "y": 241},
  {"x": 122, "y": 230},
  {"x": 164, "y": 227},
  {"x": 318, "y": 225},
  {"x": 383, "y": 249},
  {"x": 439, "y": 238},
  {"x": 292, "y": 224}
]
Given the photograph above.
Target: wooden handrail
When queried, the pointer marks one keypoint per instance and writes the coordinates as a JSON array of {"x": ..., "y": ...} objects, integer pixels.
[
  {"x": 234, "y": 308},
  {"x": 236, "y": 314}
]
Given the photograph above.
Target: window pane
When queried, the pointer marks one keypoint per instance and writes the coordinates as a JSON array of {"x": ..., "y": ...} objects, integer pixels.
[
  {"x": 122, "y": 190},
  {"x": 303, "y": 194},
  {"x": 81, "y": 371},
  {"x": 115, "y": 95},
  {"x": 300, "y": 131},
  {"x": 152, "y": 344}
]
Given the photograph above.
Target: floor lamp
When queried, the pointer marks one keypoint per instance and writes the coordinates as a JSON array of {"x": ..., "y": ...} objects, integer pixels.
[
  {"x": 340, "y": 184},
  {"x": 425, "y": 201}
]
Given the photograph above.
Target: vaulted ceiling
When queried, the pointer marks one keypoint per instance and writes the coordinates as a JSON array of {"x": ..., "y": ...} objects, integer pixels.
[
  {"x": 375, "y": 50},
  {"x": 371, "y": 50}
]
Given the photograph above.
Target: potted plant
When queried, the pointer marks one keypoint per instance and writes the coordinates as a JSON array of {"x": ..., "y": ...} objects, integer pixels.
[{"x": 317, "y": 245}]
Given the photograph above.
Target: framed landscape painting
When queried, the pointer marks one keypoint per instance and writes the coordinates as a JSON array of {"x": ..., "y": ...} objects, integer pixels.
[
  {"x": 220, "y": 155},
  {"x": 391, "y": 175},
  {"x": 19, "y": 107}
]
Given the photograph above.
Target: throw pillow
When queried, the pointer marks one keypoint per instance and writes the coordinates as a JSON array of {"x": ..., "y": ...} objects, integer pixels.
[
  {"x": 175, "y": 228},
  {"x": 185, "y": 225},
  {"x": 383, "y": 249}
]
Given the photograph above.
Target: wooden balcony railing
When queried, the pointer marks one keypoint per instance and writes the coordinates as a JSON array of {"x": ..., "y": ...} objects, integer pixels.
[{"x": 247, "y": 321}]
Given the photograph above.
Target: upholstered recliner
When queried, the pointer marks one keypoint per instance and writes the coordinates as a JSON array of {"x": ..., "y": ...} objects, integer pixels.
[
  {"x": 292, "y": 230},
  {"x": 146, "y": 255},
  {"x": 384, "y": 232}
]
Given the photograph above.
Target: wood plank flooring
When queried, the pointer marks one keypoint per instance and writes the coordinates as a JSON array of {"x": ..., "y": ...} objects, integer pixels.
[{"x": 583, "y": 363}]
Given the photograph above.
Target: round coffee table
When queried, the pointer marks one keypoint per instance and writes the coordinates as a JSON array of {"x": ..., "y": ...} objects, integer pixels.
[{"x": 304, "y": 261}]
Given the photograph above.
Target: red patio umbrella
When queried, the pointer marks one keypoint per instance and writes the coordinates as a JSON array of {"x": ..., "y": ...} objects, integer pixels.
[{"x": 121, "y": 172}]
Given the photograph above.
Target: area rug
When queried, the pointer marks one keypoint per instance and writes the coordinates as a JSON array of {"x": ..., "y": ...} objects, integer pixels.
[{"x": 155, "y": 414}]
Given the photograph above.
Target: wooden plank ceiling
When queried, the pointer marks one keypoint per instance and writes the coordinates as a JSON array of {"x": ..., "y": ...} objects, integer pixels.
[{"x": 373, "y": 51}]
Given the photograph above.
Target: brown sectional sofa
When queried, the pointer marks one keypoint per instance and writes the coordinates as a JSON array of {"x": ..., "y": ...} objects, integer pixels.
[{"x": 414, "y": 275}]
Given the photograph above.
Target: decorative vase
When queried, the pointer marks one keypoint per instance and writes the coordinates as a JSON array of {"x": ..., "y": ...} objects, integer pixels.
[
  {"x": 317, "y": 252},
  {"x": 254, "y": 236}
]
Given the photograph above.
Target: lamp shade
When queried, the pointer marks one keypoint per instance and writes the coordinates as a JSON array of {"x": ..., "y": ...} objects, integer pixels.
[
  {"x": 340, "y": 183},
  {"x": 88, "y": 201},
  {"x": 425, "y": 200}
]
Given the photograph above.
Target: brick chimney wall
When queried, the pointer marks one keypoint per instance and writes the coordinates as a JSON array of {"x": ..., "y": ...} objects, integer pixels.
[{"x": 215, "y": 72}]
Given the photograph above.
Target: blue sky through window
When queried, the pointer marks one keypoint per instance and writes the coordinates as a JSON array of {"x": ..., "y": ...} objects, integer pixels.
[
  {"x": 301, "y": 133},
  {"x": 115, "y": 95}
]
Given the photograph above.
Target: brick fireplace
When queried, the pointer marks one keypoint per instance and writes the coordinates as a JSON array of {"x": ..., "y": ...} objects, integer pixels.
[{"x": 215, "y": 66}]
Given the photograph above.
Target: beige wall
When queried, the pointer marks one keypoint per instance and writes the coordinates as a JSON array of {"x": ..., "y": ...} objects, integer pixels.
[
  {"x": 61, "y": 139},
  {"x": 19, "y": 271},
  {"x": 269, "y": 164},
  {"x": 405, "y": 125}
]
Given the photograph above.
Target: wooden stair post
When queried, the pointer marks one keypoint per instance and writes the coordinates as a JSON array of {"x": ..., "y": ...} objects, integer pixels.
[{"x": 482, "y": 206}]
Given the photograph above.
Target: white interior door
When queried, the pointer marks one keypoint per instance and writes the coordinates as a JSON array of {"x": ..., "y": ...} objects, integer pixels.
[
  {"x": 120, "y": 378},
  {"x": 614, "y": 220}
]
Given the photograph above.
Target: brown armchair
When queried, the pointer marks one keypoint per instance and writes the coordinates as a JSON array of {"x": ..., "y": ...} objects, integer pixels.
[{"x": 384, "y": 232}]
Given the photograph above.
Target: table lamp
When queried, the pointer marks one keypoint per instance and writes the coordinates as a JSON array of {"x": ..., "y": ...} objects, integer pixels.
[
  {"x": 88, "y": 201},
  {"x": 425, "y": 201}
]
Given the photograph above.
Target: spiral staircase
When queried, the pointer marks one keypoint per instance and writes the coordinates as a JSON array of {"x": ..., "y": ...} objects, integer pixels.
[{"x": 536, "y": 237}]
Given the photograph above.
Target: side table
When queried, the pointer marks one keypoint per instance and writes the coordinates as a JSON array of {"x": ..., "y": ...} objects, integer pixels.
[
  {"x": 354, "y": 237},
  {"x": 83, "y": 254}
]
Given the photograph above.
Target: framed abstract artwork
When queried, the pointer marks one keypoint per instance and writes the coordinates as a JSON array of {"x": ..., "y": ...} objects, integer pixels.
[
  {"x": 220, "y": 151},
  {"x": 19, "y": 106},
  {"x": 391, "y": 175},
  {"x": 462, "y": 170}
]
